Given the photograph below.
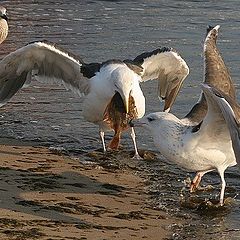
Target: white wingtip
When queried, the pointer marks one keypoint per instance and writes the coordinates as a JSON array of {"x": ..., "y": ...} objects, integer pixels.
[
  {"x": 167, "y": 110},
  {"x": 216, "y": 27}
]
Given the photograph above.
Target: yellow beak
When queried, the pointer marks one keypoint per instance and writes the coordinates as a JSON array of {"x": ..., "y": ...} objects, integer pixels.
[{"x": 126, "y": 104}]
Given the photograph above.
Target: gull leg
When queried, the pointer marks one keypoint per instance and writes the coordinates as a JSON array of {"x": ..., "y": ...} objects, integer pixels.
[
  {"x": 195, "y": 182},
  {"x": 115, "y": 141},
  {"x": 197, "y": 179},
  {"x": 221, "y": 173},
  {"x": 133, "y": 135},
  {"x": 101, "y": 133}
]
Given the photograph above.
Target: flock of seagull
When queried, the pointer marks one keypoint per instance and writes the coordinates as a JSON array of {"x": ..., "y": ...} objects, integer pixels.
[{"x": 206, "y": 139}]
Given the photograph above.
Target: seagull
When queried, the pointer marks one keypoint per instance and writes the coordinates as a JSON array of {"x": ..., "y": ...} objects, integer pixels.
[
  {"x": 3, "y": 24},
  {"x": 217, "y": 75},
  {"x": 112, "y": 91},
  {"x": 214, "y": 145},
  {"x": 187, "y": 133}
]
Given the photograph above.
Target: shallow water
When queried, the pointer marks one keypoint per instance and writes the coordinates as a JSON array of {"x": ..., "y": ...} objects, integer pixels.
[{"x": 100, "y": 30}]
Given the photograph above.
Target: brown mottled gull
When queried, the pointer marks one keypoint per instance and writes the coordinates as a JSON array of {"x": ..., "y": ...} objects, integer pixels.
[{"x": 214, "y": 143}]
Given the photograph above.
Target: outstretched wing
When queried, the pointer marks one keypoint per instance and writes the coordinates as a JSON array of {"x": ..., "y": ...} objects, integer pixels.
[
  {"x": 216, "y": 74},
  {"x": 44, "y": 61},
  {"x": 224, "y": 112},
  {"x": 167, "y": 66}
]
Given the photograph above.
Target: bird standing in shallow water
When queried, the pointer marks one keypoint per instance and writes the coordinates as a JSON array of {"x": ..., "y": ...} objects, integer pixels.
[
  {"x": 215, "y": 145},
  {"x": 213, "y": 142},
  {"x": 217, "y": 75},
  {"x": 112, "y": 89}
]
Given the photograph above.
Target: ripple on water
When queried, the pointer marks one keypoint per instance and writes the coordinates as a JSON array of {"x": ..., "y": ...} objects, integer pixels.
[{"x": 100, "y": 30}]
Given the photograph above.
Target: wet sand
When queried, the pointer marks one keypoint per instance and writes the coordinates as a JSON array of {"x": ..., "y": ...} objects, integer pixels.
[{"x": 45, "y": 195}]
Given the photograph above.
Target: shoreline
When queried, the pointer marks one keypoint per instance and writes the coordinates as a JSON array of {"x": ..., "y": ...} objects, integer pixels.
[{"x": 49, "y": 196}]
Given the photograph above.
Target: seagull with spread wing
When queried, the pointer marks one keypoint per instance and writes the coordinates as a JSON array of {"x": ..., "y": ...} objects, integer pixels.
[
  {"x": 216, "y": 75},
  {"x": 112, "y": 89},
  {"x": 215, "y": 145},
  {"x": 208, "y": 138}
]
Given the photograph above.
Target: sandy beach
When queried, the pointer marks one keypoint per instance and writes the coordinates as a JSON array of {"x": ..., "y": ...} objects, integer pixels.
[{"x": 45, "y": 195}]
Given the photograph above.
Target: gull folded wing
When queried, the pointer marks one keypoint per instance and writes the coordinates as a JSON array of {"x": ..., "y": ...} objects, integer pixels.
[
  {"x": 220, "y": 103},
  {"x": 43, "y": 61}
]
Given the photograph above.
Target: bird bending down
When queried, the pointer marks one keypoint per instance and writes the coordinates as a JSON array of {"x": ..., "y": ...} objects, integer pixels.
[
  {"x": 3, "y": 24},
  {"x": 216, "y": 75},
  {"x": 112, "y": 89},
  {"x": 214, "y": 145}
]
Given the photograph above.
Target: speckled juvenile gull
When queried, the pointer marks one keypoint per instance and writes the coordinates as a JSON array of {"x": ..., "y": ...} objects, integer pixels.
[
  {"x": 112, "y": 89},
  {"x": 215, "y": 145},
  {"x": 207, "y": 138}
]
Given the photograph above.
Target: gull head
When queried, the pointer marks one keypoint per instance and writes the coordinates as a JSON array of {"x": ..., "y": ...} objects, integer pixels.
[
  {"x": 160, "y": 124},
  {"x": 123, "y": 80},
  {"x": 165, "y": 129},
  {"x": 3, "y": 13},
  {"x": 121, "y": 107},
  {"x": 150, "y": 121}
]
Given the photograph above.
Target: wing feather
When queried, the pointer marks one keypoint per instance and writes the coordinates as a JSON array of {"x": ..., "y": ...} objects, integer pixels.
[
  {"x": 43, "y": 61},
  {"x": 222, "y": 104},
  {"x": 166, "y": 66},
  {"x": 216, "y": 74}
]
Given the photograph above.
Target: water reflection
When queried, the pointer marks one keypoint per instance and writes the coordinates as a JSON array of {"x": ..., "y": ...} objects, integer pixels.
[{"x": 100, "y": 30}]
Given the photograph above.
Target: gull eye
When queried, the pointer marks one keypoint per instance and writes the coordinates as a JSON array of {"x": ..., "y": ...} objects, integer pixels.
[{"x": 150, "y": 119}]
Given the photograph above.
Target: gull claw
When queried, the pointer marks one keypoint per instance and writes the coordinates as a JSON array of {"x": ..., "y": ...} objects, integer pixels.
[{"x": 137, "y": 157}]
